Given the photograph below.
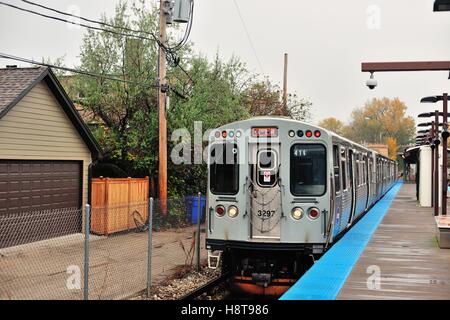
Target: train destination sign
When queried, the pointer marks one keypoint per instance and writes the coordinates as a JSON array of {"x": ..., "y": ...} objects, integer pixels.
[{"x": 266, "y": 132}]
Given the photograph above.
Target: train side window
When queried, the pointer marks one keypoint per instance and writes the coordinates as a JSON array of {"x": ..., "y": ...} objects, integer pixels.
[
  {"x": 337, "y": 173},
  {"x": 224, "y": 169},
  {"x": 365, "y": 170},
  {"x": 344, "y": 169},
  {"x": 357, "y": 171}
]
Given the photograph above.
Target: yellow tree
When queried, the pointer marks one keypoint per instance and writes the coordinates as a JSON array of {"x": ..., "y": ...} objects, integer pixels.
[
  {"x": 381, "y": 119},
  {"x": 392, "y": 147},
  {"x": 333, "y": 124}
]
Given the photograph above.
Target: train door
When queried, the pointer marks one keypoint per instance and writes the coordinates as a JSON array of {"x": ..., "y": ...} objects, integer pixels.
[
  {"x": 379, "y": 178},
  {"x": 369, "y": 179},
  {"x": 266, "y": 207},
  {"x": 336, "y": 196},
  {"x": 367, "y": 174},
  {"x": 346, "y": 190},
  {"x": 352, "y": 183}
]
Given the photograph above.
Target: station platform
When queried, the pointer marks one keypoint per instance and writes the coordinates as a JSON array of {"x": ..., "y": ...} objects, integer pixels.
[{"x": 391, "y": 253}]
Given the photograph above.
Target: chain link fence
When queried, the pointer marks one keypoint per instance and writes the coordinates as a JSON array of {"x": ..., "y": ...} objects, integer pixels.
[
  {"x": 46, "y": 255},
  {"x": 41, "y": 254}
]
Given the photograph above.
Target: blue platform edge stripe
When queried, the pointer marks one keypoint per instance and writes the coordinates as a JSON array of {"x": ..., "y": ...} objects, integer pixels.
[{"x": 325, "y": 279}]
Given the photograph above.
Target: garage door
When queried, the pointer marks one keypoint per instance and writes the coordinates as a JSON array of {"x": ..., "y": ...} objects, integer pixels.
[{"x": 39, "y": 200}]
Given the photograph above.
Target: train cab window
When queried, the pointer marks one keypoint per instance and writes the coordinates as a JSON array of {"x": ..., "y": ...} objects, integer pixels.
[
  {"x": 224, "y": 169},
  {"x": 308, "y": 170}
]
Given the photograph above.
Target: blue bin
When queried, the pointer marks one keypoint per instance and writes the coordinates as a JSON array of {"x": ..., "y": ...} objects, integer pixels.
[{"x": 192, "y": 207}]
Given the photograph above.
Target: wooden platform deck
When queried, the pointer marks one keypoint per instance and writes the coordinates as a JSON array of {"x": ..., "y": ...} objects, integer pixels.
[{"x": 405, "y": 252}]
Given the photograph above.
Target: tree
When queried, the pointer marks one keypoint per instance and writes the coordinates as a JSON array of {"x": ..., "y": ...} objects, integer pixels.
[
  {"x": 264, "y": 99},
  {"x": 126, "y": 114},
  {"x": 216, "y": 99},
  {"x": 333, "y": 124},
  {"x": 379, "y": 120},
  {"x": 392, "y": 147}
]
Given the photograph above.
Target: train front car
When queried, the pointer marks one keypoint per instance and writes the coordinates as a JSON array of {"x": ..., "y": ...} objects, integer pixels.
[{"x": 268, "y": 200}]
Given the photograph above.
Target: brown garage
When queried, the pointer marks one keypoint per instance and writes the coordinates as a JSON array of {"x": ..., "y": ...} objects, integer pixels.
[
  {"x": 30, "y": 193},
  {"x": 45, "y": 154}
]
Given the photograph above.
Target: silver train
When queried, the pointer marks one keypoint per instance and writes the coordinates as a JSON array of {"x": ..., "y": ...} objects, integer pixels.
[{"x": 280, "y": 192}]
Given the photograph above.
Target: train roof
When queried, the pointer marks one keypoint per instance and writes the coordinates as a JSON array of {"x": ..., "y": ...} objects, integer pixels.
[{"x": 330, "y": 133}]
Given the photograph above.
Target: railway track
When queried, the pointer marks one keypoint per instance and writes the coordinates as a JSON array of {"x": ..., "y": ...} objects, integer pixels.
[{"x": 206, "y": 287}]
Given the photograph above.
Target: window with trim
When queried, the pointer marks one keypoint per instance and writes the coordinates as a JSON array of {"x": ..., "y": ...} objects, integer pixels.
[
  {"x": 344, "y": 169},
  {"x": 224, "y": 169},
  {"x": 267, "y": 168},
  {"x": 337, "y": 173},
  {"x": 308, "y": 165},
  {"x": 365, "y": 169},
  {"x": 358, "y": 167}
]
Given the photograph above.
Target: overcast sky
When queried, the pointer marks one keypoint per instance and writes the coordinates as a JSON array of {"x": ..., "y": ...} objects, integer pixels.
[{"x": 326, "y": 42}]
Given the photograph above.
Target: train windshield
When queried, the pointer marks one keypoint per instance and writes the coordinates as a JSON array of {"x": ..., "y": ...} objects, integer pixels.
[
  {"x": 308, "y": 170},
  {"x": 224, "y": 169}
]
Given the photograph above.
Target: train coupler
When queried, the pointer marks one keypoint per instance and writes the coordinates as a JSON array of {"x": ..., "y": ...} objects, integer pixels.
[{"x": 262, "y": 279}]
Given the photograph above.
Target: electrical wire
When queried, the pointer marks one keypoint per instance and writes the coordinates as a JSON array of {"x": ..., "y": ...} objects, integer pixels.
[
  {"x": 248, "y": 36},
  {"x": 187, "y": 31},
  {"x": 83, "y": 25},
  {"x": 105, "y": 24},
  {"x": 171, "y": 55},
  {"x": 83, "y": 72}
]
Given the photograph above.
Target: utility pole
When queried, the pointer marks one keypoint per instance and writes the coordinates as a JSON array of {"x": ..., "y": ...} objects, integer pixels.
[
  {"x": 162, "y": 172},
  {"x": 285, "y": 81}
]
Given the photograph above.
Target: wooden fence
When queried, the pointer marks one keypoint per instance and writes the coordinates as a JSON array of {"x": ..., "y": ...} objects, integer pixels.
[{"x": 118, "y": 203}]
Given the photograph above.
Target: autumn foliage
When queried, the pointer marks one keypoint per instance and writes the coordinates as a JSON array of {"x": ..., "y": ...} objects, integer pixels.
[{"x": 379, "y": 121}]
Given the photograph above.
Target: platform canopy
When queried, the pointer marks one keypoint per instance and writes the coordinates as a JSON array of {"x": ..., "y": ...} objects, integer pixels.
[{"x": 411, "y": 155}]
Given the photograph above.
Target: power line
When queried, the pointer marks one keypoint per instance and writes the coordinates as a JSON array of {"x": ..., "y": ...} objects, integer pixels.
[
  {"x": 83, "y": 72},
  {"x": 84, "y": 25},
  {"x": 187, "y": 74},
  {"x": 188, "y": 29},
  {"x": 248, "y": 36},
  {"x": 105, "y": 24},
  {"x": 170, "y": 51}
]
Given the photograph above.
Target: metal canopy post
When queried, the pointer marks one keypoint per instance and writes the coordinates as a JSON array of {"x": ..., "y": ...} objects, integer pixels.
[
  {"x": 444, "y": 155},
  {"x": 433, "y": 155},
  {"x": 435, "y": 141}
]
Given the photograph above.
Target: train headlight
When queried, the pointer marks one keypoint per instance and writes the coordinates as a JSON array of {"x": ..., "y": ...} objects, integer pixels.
[
  {"x": 233, "y": 211},
  {"x": 313, "y": 213},
  {"x": 297, "y": 213},
  {"x": 220, "y": 211}
]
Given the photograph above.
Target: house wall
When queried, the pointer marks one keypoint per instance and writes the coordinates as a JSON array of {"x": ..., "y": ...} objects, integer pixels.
[{"x": 37, "y": 128}]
